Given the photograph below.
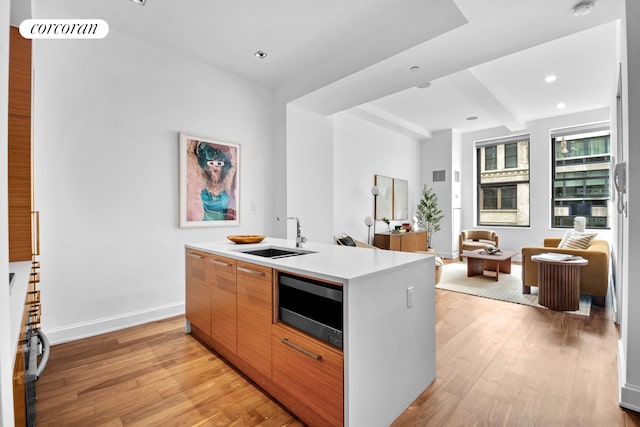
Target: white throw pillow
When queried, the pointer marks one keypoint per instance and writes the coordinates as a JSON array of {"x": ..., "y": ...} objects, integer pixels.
[
  {"x": 578, "y": 240},
  {"x": 566, "y": 236}
]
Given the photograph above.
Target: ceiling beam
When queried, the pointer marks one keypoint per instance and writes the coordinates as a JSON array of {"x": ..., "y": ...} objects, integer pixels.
[
  {"x": 468, "y": 83},
  {"x": 387, "y": 120}
]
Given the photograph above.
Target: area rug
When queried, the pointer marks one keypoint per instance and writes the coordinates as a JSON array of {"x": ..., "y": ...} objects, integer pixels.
[{"x": 507, "y": 288}]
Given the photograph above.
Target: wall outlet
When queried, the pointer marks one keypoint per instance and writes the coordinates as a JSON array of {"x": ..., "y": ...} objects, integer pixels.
[{"x": 410, "y": 297}]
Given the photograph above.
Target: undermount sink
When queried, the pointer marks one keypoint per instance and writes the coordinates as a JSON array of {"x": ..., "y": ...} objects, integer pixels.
[{"x": 276, "y": 252}]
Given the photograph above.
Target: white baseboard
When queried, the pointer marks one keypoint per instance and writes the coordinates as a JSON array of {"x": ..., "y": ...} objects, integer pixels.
[
  {"x": 629, "y": 395},
  {"x": 108, "y": 324}
]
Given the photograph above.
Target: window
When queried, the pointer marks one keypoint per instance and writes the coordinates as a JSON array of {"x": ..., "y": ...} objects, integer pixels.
[
  {"x": 581, "y": 184},
  {"x": 496, "y": 197},
  {"x": 490, "y": 198},
  {"x": 490, "y": 158},
  {"x": 511, "y": 155},
  {"x": 508, "y": 199},
  {"x": 503, "y": 182}
]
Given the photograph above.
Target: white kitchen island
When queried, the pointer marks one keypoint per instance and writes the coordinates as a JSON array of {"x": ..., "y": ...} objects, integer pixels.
[{"x": 388, "y": 317}]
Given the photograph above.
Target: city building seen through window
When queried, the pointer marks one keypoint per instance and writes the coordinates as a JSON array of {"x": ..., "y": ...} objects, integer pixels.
[
  {"x": 581, "y": 182},
  {"x": 503, "y": 182}
]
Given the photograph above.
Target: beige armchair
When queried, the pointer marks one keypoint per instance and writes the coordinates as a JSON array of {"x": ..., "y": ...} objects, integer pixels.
[{"x": 476, "y": 239}]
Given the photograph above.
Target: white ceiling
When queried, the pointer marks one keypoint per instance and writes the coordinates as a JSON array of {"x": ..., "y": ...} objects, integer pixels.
[{"x": 483, "y": 58}]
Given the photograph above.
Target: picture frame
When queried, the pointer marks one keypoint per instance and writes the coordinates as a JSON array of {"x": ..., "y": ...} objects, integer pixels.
[
  {"x": 209, "y": 183},
  {"x": 400, "y": 199},
  {"x": 384, "y": 201},
  {"x": 392, "y": 201}
]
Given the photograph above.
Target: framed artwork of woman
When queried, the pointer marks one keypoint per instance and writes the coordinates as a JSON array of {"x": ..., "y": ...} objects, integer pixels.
[{"x": 209, "y": 184}]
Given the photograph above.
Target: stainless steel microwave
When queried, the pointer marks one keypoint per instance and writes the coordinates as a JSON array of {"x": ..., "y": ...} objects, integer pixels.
[{"x": 312, "y": 306}]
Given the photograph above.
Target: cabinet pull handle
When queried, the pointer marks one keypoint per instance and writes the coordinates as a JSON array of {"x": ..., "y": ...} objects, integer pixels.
[
  {"x": 36, "y": 232},
  {"x": 192, "y": 255},
  {"x": 301, "y": 350},
  {"x": 253, "y": 272},
  {"x": 224, "y": 264}
]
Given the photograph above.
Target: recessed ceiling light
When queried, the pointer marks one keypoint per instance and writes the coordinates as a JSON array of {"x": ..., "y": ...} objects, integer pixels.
[
  {"x": 550, "y": 78},
  {"x": 583, "y": 7},
  {"x": 560, "y": 105},
  {"x": 414, "y": 68},
  {"x": 472, "y": 118},
  {"x": 424, "y": 85},
  {"x": 260, "y": 54},
  {"x": 140, "y": 2}
]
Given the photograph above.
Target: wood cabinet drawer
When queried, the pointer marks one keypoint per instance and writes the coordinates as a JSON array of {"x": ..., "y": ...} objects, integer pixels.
[
  {"x": 310, "y": 371},
  {"x": 198, "y": 294},
  {"x": 221, "y": 277},
  {"x": 255, "y": 308}
]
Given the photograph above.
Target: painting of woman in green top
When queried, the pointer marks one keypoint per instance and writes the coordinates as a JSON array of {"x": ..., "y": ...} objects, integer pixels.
[{"x": 210, "y": 170}]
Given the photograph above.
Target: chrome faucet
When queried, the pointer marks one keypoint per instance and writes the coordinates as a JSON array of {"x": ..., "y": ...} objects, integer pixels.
[{"x": 300, "y": 239}]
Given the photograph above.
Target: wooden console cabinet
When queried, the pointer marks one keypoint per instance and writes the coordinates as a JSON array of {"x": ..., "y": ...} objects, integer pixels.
[{"x": 410, "y": 241}]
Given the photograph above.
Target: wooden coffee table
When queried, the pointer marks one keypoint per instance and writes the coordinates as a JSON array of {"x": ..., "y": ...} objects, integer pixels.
[
  {"x": 477, "y": 263},
  {"x": 559, "y": 283}
]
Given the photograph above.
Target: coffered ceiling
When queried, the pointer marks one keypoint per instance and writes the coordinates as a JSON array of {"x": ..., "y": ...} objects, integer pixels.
[{"x": 485, "y": 59}]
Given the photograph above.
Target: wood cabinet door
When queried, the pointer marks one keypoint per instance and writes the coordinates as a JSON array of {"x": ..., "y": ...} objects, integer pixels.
[
  {"x": 255, "y": 308},
  {"x": 410, "y": 242},
  {"x": 422, "y": 240},
  {"x": 311, "y": 372},
  {"x": 198, "y": 295},
  {"x": 19, "y": 149},
  {"x": 221, "y": 277}
]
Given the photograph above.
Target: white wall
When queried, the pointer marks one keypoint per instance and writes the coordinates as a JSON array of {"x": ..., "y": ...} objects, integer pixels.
[
  {"x": 6, "y": 346},
  {"x": 514, "y": 238},
  {"x": 309, "y": 174},
  {"x": 106, "y": 119},
  {"x": 361, "y": 151},
  {"x": 629, "y": 345},
  {"x": 442, "y": 152}
]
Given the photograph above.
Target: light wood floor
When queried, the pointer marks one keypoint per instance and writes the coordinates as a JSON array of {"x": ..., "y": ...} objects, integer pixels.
[{"x": 498, "y": 364}]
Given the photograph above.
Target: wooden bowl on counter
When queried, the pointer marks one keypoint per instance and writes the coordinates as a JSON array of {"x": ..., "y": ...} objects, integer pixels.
[{"x": 246, "y": 238}]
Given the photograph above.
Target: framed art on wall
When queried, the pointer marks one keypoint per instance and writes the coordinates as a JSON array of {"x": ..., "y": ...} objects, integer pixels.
[
  {"x": 209, "y": 184},
  {"x": 400, "y": 199},
  {"x": 384, "y": 201}
]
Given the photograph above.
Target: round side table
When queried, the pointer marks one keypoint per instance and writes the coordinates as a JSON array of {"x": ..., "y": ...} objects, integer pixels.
[{"x": 559, "y": 283}]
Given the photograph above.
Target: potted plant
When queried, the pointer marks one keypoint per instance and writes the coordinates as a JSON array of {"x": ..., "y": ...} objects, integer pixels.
[{"x": 428, "y": 214}]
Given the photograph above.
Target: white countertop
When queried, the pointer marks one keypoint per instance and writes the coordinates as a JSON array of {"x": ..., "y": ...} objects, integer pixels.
[{"x": 329, "y": 262}]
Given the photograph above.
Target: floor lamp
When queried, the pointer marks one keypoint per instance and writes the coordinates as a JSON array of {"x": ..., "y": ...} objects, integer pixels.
[
  {"x": 375, "y": 191},
  {"x": 368, "y": 221}
]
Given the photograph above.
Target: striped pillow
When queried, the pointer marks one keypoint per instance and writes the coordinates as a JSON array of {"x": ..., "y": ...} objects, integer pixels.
[
  {"x": 579, "y": 241},
  {"x": 566, "y": 236}
]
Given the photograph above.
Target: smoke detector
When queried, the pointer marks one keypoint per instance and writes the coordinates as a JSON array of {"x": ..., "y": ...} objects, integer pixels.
[{"x": 583, "y": 7}]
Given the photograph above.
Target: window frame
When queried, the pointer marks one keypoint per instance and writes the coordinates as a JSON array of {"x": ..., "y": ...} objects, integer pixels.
[
  {"x": 519, "y": 178},
  {"x": 506, "y": 156},
  {"x": 494, "y": 158},
  {"x": 586, "y": 172}
]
